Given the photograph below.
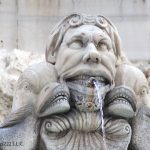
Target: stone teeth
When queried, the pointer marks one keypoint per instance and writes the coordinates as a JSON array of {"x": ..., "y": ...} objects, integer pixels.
[
  {"x": 79, "y": 77},
  {"x": 115, "y": 97},
  {"x": 102, "y": 79},
  {"x": 83, "y": 78},
  {"x": 120, "y": 101}
]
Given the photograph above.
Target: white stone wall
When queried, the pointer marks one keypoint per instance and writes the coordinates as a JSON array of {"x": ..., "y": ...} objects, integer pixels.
[{"x": 25, "y": 24}]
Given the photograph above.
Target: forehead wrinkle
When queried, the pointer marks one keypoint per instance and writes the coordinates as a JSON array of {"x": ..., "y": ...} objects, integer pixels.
[
  {"x": 99, "y": 37},
  {"x": 83, "y": 31},
  {"x": 76, "y": 35}
]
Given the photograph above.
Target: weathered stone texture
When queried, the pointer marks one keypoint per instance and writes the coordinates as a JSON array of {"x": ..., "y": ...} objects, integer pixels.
[{"x": 12, "y": 64}]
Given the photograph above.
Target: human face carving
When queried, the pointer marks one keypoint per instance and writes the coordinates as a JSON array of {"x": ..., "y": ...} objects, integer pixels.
[{"x": 86, "y": 50}]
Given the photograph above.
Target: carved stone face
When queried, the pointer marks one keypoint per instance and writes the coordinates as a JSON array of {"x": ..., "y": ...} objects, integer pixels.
[{"x": 86, "y": 52}]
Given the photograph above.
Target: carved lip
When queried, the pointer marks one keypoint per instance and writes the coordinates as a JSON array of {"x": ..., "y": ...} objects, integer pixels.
[
  {"x": 123, "y": 95},
  {"x": 60, "y": 97},
  {"x": 55, "y": 98},
  {"x": 88, "y": 72},
  {"x": 85, "y": 80}
]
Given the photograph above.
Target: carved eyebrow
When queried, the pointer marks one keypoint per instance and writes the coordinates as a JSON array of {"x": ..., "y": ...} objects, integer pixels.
[
  {"x": 99, "y": 38},
  {"x": 104, "y": 40},
  {"x": 78, "y": 37}
]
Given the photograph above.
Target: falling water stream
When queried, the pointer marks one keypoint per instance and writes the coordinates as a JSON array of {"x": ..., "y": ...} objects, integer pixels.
[{"x": 101, "y": 90}]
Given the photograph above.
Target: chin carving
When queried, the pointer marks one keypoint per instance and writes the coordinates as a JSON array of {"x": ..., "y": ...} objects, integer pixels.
[{"x": 83, "y": 96}]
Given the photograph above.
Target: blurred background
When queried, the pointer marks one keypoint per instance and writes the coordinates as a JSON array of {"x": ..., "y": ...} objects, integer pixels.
[{"x": 26, "y": 24}]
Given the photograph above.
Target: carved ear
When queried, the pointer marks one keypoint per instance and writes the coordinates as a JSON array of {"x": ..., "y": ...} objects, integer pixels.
[
  {"x": 116, "y": 41},
  {"x": 121, "y": 57},
  {"x": 119, "y": 51},
  {"x": 54, "y": 42}
]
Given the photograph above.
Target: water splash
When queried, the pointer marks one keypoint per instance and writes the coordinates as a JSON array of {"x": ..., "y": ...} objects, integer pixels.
[{"x": 101, "y": 91}]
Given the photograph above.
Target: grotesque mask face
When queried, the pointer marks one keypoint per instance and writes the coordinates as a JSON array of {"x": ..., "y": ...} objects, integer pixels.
[{"x": 86, "y": 52}]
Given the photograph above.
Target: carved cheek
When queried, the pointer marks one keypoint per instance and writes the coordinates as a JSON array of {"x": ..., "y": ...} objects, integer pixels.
[
  {"x": 25, "y": 92},
  {"x": 112, "y": 57},
  {"x": 67, "y": 60},
  {"x": 63, "y": 53},
  {"x": 109, "y": 60}
]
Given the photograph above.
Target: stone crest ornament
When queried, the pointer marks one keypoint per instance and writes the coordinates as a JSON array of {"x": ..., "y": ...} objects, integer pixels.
[{"x": 85, "y": 96}]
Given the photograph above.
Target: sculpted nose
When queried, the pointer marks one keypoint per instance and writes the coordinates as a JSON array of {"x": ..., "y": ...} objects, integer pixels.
[{"x": 92, "y": 55}]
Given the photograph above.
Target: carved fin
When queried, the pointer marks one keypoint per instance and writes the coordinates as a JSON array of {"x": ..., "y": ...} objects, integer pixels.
[{"x": 17, "y": 116}]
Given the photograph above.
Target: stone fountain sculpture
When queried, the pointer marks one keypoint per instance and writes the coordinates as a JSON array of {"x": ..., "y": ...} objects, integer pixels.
[{"x": 56, "y": 106}]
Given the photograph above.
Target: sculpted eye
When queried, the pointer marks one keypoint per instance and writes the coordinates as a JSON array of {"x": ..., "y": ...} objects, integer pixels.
[
  {"x": 27, "y": 86},
  {"x": 77, "y": 44},
  {"x": 102, "y": 46},
  {"x": 143, "y": 91}
]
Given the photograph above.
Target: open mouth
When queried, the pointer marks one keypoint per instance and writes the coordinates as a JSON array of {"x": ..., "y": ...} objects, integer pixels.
[
  {"x": 88, "y": 81},
  {"x": 121, "y": 101},
  {"x": 59, "y": 98},
  {"x": 84, "y": 92},
  {"x": 56, "y": 100}
]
